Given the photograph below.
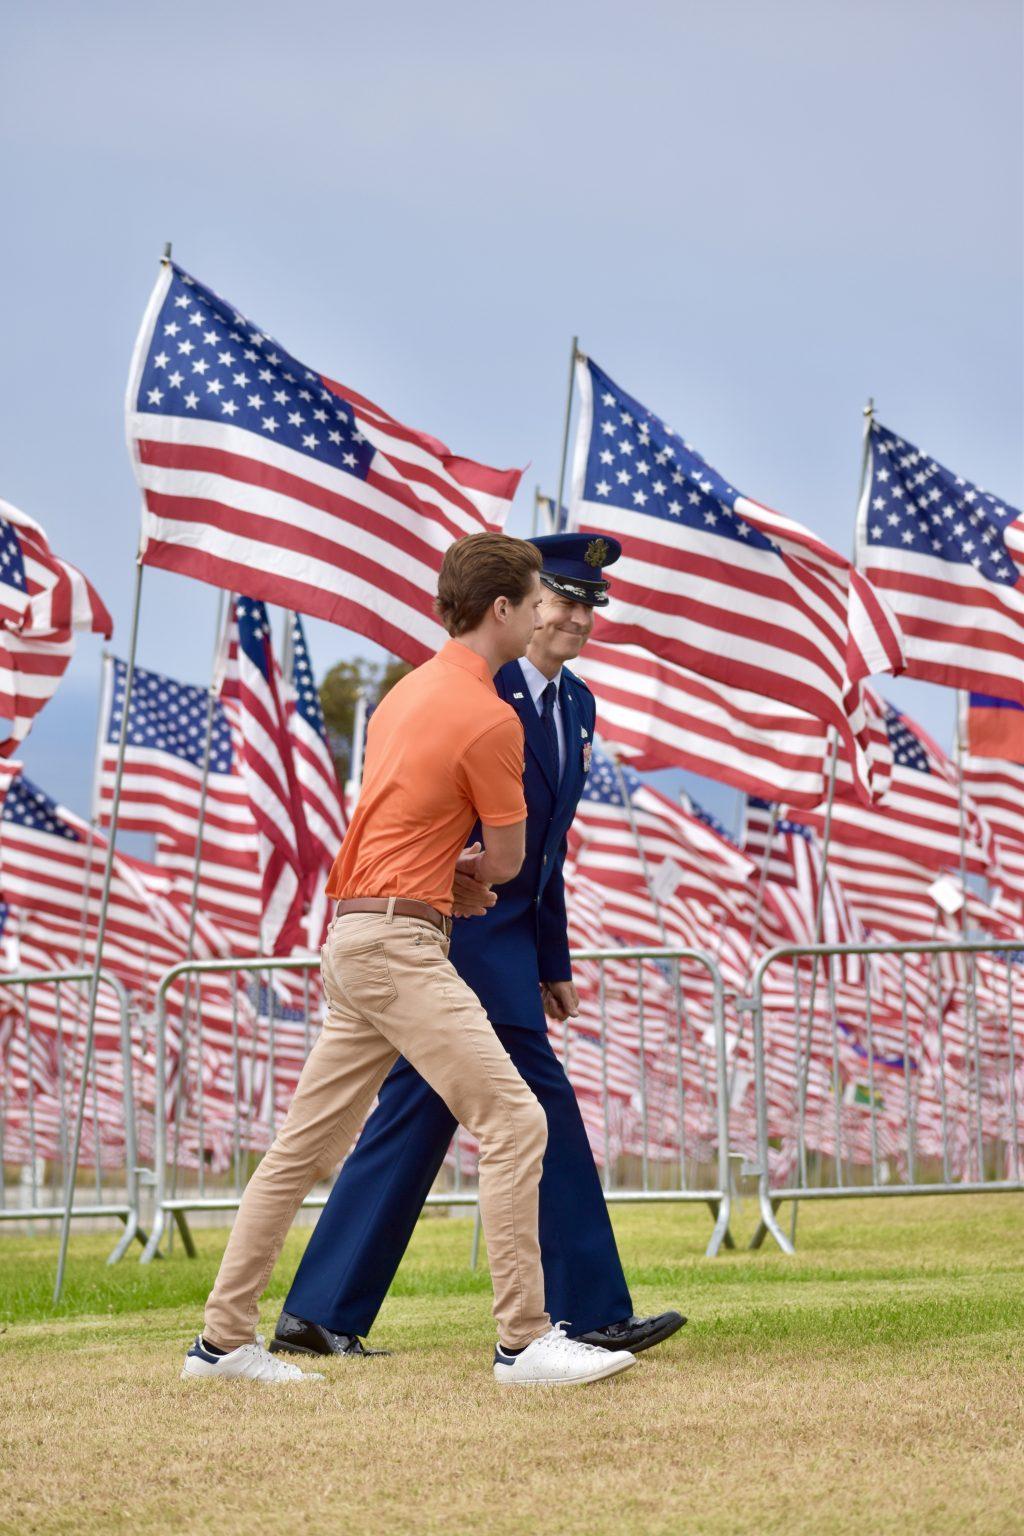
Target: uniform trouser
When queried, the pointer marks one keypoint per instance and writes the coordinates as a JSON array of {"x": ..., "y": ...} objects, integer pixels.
[
  {"x": 391, "y": 990},
  {"x": 351, "y": 1258}
]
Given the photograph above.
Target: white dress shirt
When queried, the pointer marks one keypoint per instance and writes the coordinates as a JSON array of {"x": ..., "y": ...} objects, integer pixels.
[{"x": 536, "y": 682}]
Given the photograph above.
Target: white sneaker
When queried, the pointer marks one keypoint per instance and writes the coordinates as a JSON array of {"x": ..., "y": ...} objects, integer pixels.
[
  {"x": 554, "y": 1360},
  {"x": 250, "y": 1362}
]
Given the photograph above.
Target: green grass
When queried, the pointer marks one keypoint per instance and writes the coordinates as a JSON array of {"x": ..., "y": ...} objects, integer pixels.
[{"x": 871, "y": 1383}]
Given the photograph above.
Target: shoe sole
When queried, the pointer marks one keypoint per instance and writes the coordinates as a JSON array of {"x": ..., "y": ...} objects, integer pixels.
[
  {"x": 307, "y": 1376},
  {"x": 614, "y": 1367},
  {"x": 279, "y": 1347},
  {"x": 637, "y": 1347},
  {"x": 656, "y": 1338}
]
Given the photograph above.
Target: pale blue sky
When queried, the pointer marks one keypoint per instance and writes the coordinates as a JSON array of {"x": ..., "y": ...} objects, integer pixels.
[{"x": 754, "y": 215}]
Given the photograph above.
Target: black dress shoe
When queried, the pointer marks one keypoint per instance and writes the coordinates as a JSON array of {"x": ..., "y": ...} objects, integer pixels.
[
  {"x": 636, "y": 1333},
  {"x": 294, "y": 1336}
]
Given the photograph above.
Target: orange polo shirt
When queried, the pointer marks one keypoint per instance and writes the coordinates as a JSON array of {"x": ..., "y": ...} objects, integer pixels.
[{"x": 442, "y": 752}]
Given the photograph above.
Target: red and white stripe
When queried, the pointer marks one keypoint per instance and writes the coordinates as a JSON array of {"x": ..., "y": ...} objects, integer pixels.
[
  {"x": 314, "y": 767},
  {"x": 269, "y": 774},
  {"x": 919, "y": 819},
  {"x": 37, "y": 626},
  {"x": 663, "y": 716}
]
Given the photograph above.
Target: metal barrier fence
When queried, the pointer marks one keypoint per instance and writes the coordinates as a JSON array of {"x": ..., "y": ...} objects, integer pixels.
[
  {"x": 891, "y": 1069},
  {"x": 873, "y": 1070},
  {"x": 647, "y": 1057},
  {"x": 67, "y": 1100}
]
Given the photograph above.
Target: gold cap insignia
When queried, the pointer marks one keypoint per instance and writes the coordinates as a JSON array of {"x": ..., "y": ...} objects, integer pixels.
[{"x": 597, "y": 552}]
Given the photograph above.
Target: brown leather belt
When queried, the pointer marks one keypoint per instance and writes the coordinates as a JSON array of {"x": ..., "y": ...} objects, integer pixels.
[{"x": 404, "y": 907}]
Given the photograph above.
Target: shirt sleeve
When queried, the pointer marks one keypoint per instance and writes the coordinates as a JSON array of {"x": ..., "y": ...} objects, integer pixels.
[{"x": 491, "y": 774}]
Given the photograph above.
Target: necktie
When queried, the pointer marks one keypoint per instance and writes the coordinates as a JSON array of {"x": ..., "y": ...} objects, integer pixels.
[{"x": 547, "y": 721}]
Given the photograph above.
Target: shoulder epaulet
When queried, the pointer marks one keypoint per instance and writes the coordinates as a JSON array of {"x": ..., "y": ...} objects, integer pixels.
[{"x": 575, "y": 678}]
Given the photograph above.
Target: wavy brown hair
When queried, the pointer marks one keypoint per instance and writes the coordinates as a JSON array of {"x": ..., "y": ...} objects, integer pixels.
[{"x": 476, "y": 571}]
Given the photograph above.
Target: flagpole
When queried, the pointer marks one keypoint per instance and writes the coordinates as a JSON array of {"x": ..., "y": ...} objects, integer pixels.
[
  {"x": 204, "y": 782},
  {"x": 193, "y": 905},
  {"x": 287, "y": 649},
  {"x": 762, "y": 881},
  {"x": 568, "y": 417},
  {"x": 803, "y": 1067},
  {"x": 535, "y": 513},
  {"x": 106, "y": 674},
  {"x": 101, "y": 926},
  {"x": 355, "y": 767},
  {"x": 970, "y": 997},
  {"x": 627, "y": 803},
  {"x": 101, "y": 930},
  {"x": 755, "y": 928}
]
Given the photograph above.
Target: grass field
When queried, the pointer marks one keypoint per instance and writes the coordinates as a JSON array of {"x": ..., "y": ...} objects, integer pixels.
[{"x": 871, "y": 1384}]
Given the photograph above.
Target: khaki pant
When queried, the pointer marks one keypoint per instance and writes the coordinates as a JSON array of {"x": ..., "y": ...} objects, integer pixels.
[{"x": 391, "y": 991}]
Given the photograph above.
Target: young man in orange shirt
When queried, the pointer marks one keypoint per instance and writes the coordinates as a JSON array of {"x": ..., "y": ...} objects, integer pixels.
[{"x": 443, "y": 752}]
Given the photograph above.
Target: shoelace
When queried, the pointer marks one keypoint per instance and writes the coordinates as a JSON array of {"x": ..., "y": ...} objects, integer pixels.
[
  {"x": 565, "y": 1346},
  {"x": 269, "y": 1369}
]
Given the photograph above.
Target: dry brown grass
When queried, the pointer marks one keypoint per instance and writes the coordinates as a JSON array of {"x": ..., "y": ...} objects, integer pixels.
[{"x": 798, "y": 1400}]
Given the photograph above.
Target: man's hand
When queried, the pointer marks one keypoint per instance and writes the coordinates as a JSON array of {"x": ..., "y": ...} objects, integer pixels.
[
  {"x": 561, "y": 1000},
  {"x": 470, "y": 897}
]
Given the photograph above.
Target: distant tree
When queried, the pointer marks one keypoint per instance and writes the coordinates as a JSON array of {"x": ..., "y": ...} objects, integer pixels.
[
  {"x": 393, "y": 673},
  {"x": 339, "y": 692}
]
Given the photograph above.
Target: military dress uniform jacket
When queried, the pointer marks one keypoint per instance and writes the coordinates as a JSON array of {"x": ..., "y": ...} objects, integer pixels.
[{"x": 520, "y": 942}]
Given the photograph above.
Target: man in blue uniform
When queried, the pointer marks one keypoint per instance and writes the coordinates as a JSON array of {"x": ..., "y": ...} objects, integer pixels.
[{"x": 515, "y": 956}]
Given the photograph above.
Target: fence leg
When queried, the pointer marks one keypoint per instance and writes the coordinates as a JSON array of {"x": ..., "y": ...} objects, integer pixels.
[
  {"x": 768, "y": 1224},
  {"x": 151, "y": 1250},
  {"x": 187, "y": 1240},
  {"x": 721, "y": 1237},
  {"x": 130, "y": 1234},
  {"x": 792, "y": 1222}
]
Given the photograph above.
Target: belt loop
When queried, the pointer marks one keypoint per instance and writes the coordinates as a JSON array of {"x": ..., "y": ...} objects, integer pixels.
[{"x": 391, "y": 909}]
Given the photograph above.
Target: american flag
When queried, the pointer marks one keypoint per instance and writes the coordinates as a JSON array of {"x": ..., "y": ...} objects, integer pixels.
[
  {"x": 662, "y": 716},
  {"x": 264, "y": 476},
  {"x": 252, "y": 682},
  {"x": 796, "y": 870},
  {"x": 161, "y": 789},
  {"x": 993, "y": 769},
  {"x": 52, "y": 869},
  {"x": 701, "y": 881},
  {"x": 319, "y": 789},
  {"x": 920, "y": 817},
  {"x": 717, "y": 583},
  {"x": 948, "y": 556},
  {"x": 43, "y": 601}
]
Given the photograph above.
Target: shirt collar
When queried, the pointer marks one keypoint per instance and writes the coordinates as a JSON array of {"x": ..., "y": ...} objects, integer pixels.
[
  {"x": 457, "y": 655},
  {"x": 536, "y": 681}
]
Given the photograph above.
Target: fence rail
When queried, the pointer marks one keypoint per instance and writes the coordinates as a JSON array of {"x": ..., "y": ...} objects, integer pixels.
[
  {"x": 59, "y": 1072},
  {"x": 669, "y": 1056},
  {"x": 875, "y": 1070},
  {"x": 909, "y": 1066}
]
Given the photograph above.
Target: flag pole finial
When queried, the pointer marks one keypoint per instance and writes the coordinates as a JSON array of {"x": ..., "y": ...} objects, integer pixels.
[{"x": 167, "y": 251}]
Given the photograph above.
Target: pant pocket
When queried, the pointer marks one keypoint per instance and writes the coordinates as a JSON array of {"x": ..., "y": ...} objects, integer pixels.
[{"x": 364, "y": 979}]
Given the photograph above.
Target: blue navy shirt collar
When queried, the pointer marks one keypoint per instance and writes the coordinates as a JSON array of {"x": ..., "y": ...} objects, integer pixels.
[{"x": 537, "y": 682}]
